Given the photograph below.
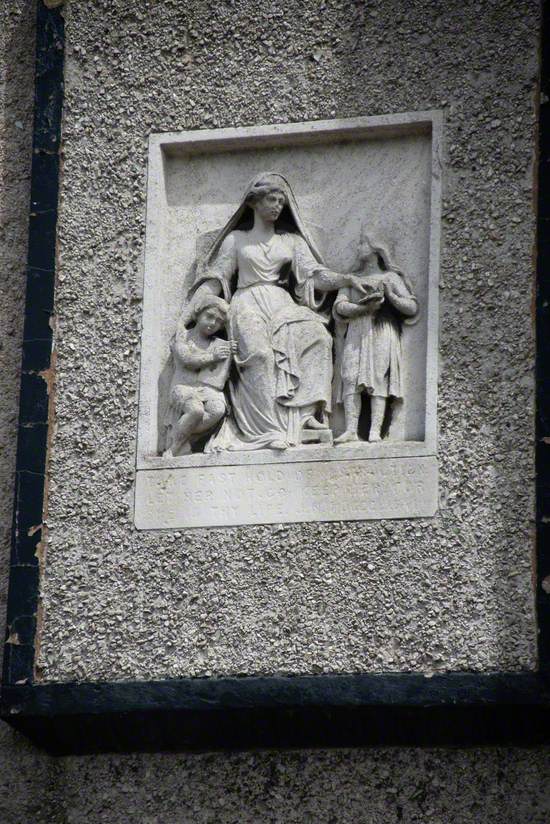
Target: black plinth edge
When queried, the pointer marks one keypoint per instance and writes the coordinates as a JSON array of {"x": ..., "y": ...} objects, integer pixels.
[
  {"x": 452, "y": 709},
  {"x": 455, "y": 709}
]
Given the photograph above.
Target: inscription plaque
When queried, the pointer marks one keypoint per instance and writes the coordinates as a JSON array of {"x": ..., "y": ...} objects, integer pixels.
[{"x": 339, "y": 491}]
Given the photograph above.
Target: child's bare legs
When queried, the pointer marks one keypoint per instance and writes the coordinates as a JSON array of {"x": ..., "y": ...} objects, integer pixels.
[
  {"x": 377, "y": 412},
  {"x": 197, "y": 418},
  {"x": 186, "y": 425},
  {"x": 213, "y": 412},
  {"x": 352, "y": 410}
]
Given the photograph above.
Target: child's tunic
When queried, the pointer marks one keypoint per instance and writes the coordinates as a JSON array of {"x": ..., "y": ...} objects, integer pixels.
[
  {"x": 204, "y": 384},
  {"x": 371, "y": 356}
]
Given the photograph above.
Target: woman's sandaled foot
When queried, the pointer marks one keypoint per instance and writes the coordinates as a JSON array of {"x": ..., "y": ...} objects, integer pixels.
[
  {"x": 374, "y": 438},
  {"x": 346, "y": 437},
  {"x": 184, "y": 449},
  {"x": 313, "y": 423},
  {"x": 280, "y": 445}
]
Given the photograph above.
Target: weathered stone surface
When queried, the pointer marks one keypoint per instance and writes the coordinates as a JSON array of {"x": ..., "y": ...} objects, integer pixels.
[
  {"x": 264, "y": 494},
  {"x": 381, "y": 174}
]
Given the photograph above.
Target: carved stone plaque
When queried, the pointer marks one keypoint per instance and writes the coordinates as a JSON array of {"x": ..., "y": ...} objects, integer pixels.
[{"x": 289, "y": 360}]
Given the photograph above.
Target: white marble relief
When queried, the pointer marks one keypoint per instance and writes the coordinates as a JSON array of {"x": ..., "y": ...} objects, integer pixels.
[
  {"x": 290, "y": 323},
  {"x": 264, "y": 269}
]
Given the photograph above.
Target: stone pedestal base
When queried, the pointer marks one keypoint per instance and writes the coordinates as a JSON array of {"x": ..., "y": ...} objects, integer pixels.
[{"x": 317, "y": 436}]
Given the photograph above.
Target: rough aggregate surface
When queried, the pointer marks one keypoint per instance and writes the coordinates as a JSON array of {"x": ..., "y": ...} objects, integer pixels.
[
  {"x": 340, "y": 787},
  {"x": 449, "y": 593}
]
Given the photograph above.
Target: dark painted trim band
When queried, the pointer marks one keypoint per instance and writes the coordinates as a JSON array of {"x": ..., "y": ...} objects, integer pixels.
[
  {"x": 543, "y": 354},
  {"x": 37, "y": 349},
  {"x": 455, "y": 709}
]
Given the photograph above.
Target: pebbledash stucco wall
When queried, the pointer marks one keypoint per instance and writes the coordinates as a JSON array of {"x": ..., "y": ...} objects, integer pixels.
[
  {"x": 339, "y": 787},
  {"x": 449, "y": 593}
]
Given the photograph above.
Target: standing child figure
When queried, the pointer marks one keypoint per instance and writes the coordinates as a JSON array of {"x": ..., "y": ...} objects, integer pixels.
[
  {"x": 371, "y": 355},
  {"x": 202, "y": 362}
]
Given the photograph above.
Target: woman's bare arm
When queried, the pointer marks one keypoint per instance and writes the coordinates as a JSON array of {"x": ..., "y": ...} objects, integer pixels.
[{"x": 325, "y": 280}]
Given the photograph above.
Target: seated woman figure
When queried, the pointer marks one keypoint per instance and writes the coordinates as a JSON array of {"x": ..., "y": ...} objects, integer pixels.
[{"x": 282, "y": 380}]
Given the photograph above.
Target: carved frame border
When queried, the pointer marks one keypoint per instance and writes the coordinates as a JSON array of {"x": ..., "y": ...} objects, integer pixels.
[
  {"x": 456, "y": 709},
  {"x": 162, "y": 485}
]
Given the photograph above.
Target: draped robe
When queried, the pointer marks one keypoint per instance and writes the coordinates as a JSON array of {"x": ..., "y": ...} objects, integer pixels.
[{"x": 284, "y": 362}]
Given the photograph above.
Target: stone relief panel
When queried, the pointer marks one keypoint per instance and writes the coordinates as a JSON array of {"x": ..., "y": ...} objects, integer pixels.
[{"x": 290, "y": 319}]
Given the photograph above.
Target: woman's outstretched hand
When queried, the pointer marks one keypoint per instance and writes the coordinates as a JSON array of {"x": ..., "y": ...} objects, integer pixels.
[{"x": 356, "y": 282}]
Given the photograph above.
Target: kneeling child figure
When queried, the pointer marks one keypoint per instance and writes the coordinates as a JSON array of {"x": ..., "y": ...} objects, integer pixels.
[{"x": 202, "y": 362}]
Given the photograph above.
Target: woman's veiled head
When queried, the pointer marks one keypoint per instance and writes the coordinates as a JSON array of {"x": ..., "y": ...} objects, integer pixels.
[
  {"x": 264, "y": 184},
  {"x": 267, "y": 197}
]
